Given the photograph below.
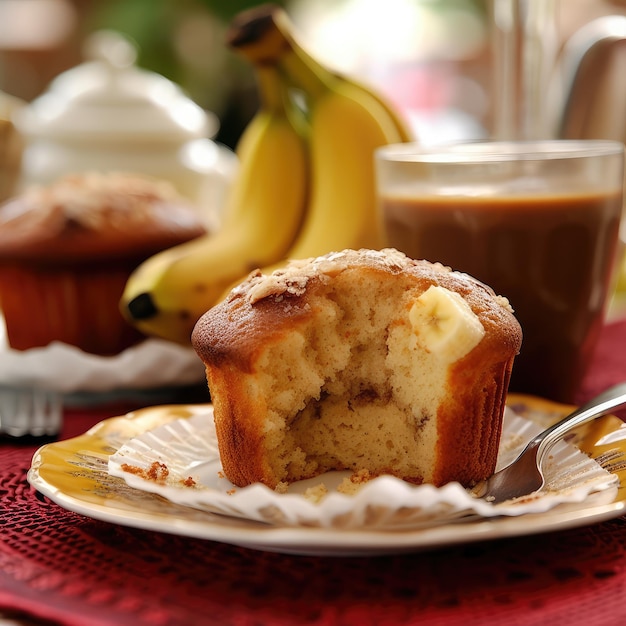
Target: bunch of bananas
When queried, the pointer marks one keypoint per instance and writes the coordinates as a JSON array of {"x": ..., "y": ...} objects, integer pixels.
[{"x": 305, "y": 186}]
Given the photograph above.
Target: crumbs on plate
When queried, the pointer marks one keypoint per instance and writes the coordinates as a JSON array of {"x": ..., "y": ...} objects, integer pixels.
[
  {"x": 317, "y": 493},
  {"x": 157, "y": 472},
  {"x": 354, "y": 482},
  {"x": 348, "y": 486},
  {"x": 281, "y": 487}
]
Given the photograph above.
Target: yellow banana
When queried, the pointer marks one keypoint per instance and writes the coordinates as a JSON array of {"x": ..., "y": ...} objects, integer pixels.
[
  {"x": 401, "y": 128},
  {"x": 264, "y": 33},
  {"x": 347, "y": 123},
  {"x": 342, "y": 212},
  {"x": 167, "y": 294}
]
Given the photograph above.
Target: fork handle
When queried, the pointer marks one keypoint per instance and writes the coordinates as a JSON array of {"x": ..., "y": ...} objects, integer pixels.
[{"x": 604, "y": 403}]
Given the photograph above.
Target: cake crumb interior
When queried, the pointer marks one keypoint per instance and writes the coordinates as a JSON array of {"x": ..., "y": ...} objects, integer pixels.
[{"x": 350, "y": 373}]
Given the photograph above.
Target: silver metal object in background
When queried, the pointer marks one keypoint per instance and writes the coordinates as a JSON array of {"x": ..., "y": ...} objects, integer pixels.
[
  {"x": 27, "y": 412},
  {"x": 593, "y": 95},
  {"x": 545, "y": 88}
]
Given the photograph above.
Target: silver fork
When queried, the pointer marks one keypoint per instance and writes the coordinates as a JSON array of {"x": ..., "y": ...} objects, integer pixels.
[
  {"x": 524, "y": 475},
  {"x": 29, "y": 412}
]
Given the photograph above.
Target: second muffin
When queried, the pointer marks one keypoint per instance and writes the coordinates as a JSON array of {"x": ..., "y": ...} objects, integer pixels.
[{"x": 67, "y": 250}]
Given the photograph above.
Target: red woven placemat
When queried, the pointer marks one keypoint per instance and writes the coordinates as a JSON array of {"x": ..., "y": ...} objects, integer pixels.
[{"x": 58, "y": 565}]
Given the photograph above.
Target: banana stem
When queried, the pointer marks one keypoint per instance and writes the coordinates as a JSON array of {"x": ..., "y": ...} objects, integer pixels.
[
  {"x": 304, "y": 75},
  {"x": 271, "y": 89},
  {"x": 265, "y": 36},
  {"x": 300, "y": 68}
]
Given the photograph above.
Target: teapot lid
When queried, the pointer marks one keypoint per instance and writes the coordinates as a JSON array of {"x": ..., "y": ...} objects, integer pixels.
[{"x": 108, "y": 98}]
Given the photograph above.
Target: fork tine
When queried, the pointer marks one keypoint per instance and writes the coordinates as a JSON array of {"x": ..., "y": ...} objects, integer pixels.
[
  {"x": 26, "y": 412},
  {"x": 524, "y": 475},
  {"x": 37, "y": 406},
  {"x": 54, "y": 413}
]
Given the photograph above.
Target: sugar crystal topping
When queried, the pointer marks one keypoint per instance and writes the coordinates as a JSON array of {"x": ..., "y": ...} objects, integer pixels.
[
  {"x": 293, "y": 278},
  {"x": 93, "y": 198}
]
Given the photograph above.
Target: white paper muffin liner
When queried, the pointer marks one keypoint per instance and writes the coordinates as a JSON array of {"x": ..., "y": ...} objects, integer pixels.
[
  {"x": 188, "y": 449},
  {"x": 61, "y": 368}
]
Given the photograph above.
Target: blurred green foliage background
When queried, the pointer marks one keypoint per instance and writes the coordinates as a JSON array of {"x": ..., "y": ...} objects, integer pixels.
[{"x": 184, "y": 40}]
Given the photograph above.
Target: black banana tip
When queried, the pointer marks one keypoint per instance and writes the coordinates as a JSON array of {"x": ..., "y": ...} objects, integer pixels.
[
  {"x": 142, "y": 307},
  {"x": 250, "y": 25}
]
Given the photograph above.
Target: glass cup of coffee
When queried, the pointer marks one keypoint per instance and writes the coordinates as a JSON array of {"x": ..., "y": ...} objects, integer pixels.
[{"x": 538, "y": 221}]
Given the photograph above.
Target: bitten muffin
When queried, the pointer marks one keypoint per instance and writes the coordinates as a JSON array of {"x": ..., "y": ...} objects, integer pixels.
[
  {"x": 67, "y": 250},
  {"x": 359, "y": 360}
]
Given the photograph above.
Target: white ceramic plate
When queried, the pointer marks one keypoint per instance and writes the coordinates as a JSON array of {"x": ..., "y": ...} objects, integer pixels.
[
  {"x": 180, "y": 461},
  {"x": 74, "y": 474}
]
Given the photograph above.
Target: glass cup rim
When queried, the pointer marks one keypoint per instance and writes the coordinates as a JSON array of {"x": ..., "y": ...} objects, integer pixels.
[{"x": 496, "y": 151}]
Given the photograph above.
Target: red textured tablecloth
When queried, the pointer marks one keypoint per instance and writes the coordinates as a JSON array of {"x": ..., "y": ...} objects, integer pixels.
[{"x": 59, "y": 566}]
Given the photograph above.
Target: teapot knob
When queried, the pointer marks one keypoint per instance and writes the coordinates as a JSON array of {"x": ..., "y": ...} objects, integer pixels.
[{"x": 112, "y": 48}]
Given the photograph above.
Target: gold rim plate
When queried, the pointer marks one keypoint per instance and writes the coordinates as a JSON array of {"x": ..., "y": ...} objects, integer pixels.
[{"x": 73, "y": 473}]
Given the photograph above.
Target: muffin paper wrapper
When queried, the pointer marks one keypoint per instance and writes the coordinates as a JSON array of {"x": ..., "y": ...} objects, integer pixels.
[
  {"x": 187, "y": 452},
  {"x": 62, "y": 368}
]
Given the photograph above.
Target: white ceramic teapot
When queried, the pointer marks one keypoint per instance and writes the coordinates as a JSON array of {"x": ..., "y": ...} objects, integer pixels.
[{"x": 107, "y": 114}]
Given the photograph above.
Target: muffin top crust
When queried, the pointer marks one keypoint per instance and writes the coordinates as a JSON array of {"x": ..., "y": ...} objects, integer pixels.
[{"x": 96, "y": 215}]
